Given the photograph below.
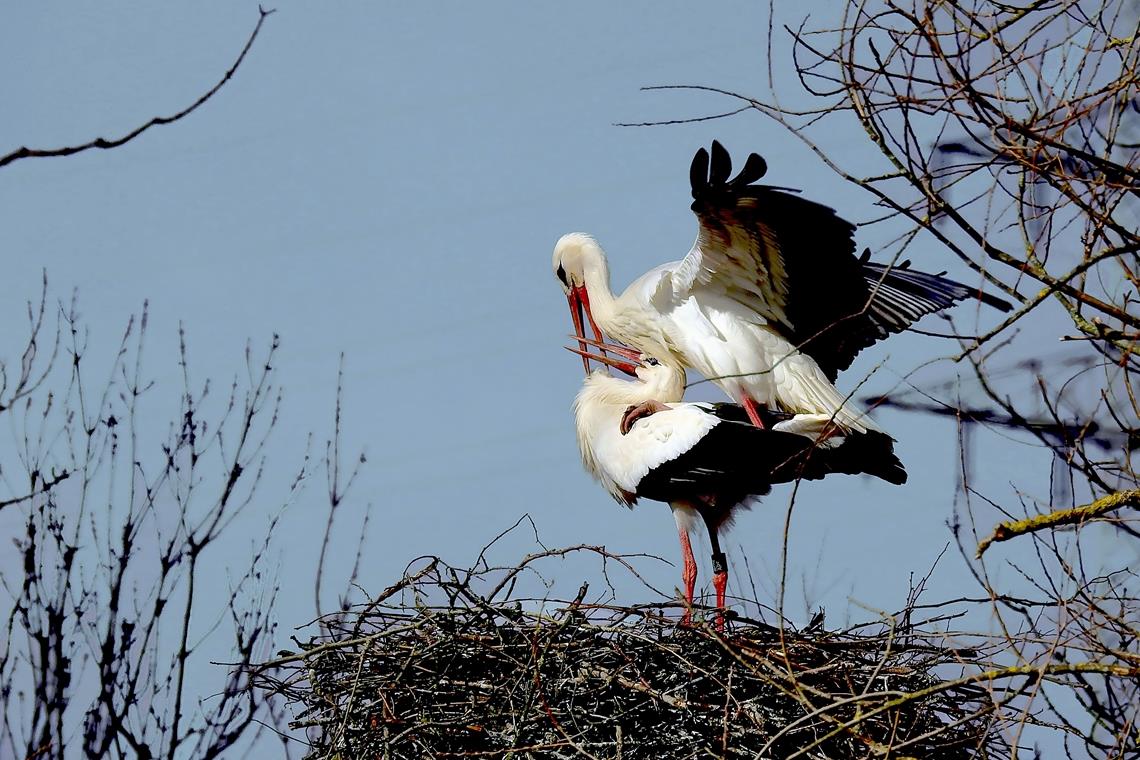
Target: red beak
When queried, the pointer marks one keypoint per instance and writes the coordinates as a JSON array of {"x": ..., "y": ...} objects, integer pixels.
[
  {"x": 579, "y": 300},
  {"x": 613, "y": 348},
  {"x": 629, "y": 368},
  {"x": 575, "y": 305}
]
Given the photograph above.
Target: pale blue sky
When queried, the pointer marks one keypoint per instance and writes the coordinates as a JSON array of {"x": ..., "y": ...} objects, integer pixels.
[{"x": 388, "y": 180}]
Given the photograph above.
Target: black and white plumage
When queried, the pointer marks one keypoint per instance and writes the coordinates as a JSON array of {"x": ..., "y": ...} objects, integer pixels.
[
  {"x": 703, "y": 452},
  {"x": 771, "y": 302},
  {"x": 704, "y": 460}
]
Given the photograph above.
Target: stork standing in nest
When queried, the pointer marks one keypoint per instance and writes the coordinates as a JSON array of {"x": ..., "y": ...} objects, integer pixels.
[
  {"x": 771, "y": 302},
  {"x": 705, "y": 460}
]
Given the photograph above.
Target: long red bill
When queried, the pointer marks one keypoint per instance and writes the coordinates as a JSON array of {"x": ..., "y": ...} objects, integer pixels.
[
  {"x": 575, "y": 304},
  {"x": 626, "y": 367},
  {"x": 613, "y": 348},
  {"x": 584, "y": 296}
]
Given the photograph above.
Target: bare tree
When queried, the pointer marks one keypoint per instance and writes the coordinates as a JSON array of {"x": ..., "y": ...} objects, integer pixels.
[
  {"x": 114, "y": 518},
  {"x": 106, "y": 617},
  {"x": 1008, "y": 139}
]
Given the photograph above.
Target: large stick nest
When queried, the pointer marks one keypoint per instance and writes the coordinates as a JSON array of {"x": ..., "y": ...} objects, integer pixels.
[{"x": 446, "y": 663}]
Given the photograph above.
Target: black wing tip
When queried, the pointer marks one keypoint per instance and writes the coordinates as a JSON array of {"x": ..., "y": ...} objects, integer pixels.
[
  {"x": 889, "y": 469},
  {"x": 711, "y": 171},
  {"x": 754, "y": 168},
  {"x": 699, "y": 173},
  {"x": 894, "y": 472},
  {"x": 720, "y": 167},
  {"x": 998, "y": 303}
]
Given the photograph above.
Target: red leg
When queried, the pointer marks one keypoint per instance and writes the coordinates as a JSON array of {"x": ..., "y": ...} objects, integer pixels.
[
  {"x": 688, "y": 573},
  {"x": 720, "y": 583},
  {"x": 753, "y": 410}
]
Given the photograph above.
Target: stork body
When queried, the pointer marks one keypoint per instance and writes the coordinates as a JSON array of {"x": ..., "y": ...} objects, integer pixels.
[
  {"x": 705, "y": 460},
  {"x": 770, "y": 303},
  {"x": 734, "y": 347}
]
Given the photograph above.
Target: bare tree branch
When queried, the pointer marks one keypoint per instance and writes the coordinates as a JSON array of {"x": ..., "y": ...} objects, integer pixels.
[
  {"x": 1052, "y": 520},
  {"x": 103, "y": 143}
]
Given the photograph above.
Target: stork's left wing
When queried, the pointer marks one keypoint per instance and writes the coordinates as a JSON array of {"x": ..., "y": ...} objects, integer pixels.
[
  {"x": 792, "y": 262},
  {"x": 727, "y": 461},
  {"x": 763, "y": 246},
  {"x": 736, "y": 460}
]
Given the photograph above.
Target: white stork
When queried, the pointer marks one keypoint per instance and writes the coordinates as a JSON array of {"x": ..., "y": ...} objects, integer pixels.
[
  {"x": 704, "y": 460},
  {"x": 770, "y": 303}
]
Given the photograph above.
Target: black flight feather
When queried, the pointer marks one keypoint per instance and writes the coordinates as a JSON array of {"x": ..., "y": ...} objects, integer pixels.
[
  {"x": 754, "y": 168},
  {"x": 699, "y": 172},
  {"x": 837, "y": 303},
  {"x": 721, "y": 167}
]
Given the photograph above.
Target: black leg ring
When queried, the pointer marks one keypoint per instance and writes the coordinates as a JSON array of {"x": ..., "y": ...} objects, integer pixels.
[{"x": 719, "y": 562}]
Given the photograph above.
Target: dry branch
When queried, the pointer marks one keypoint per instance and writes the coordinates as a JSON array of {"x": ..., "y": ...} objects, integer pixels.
[
  {"x": 1061, "y": 517},
  {"x": 103, "y": 143}
]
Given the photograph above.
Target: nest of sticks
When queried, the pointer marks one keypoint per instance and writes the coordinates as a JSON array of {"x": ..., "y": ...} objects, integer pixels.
[{"x": 448, "y": 663}]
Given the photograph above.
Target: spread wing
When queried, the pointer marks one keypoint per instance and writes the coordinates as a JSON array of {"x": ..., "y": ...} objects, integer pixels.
[
  {"x": 896, "y": 298},
  {"x": 792, "y": 262}
]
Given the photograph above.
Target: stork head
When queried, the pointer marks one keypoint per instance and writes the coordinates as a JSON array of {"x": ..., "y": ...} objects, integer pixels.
[
  {"x": 663, "y": 382},
  {"x": 575, "y": 253},
  {"x": 579, "y": 263}
]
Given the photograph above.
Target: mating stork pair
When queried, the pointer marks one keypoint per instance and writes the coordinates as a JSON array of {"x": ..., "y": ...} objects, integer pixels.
[{"x": 771, "y": 303}]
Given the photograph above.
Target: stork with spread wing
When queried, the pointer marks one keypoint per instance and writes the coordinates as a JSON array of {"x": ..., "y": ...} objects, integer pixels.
[{"x": 771, "y": 302}]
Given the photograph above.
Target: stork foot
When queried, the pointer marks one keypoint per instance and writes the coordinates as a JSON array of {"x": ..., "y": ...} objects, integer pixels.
[{"x": 635, "y": 413}]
